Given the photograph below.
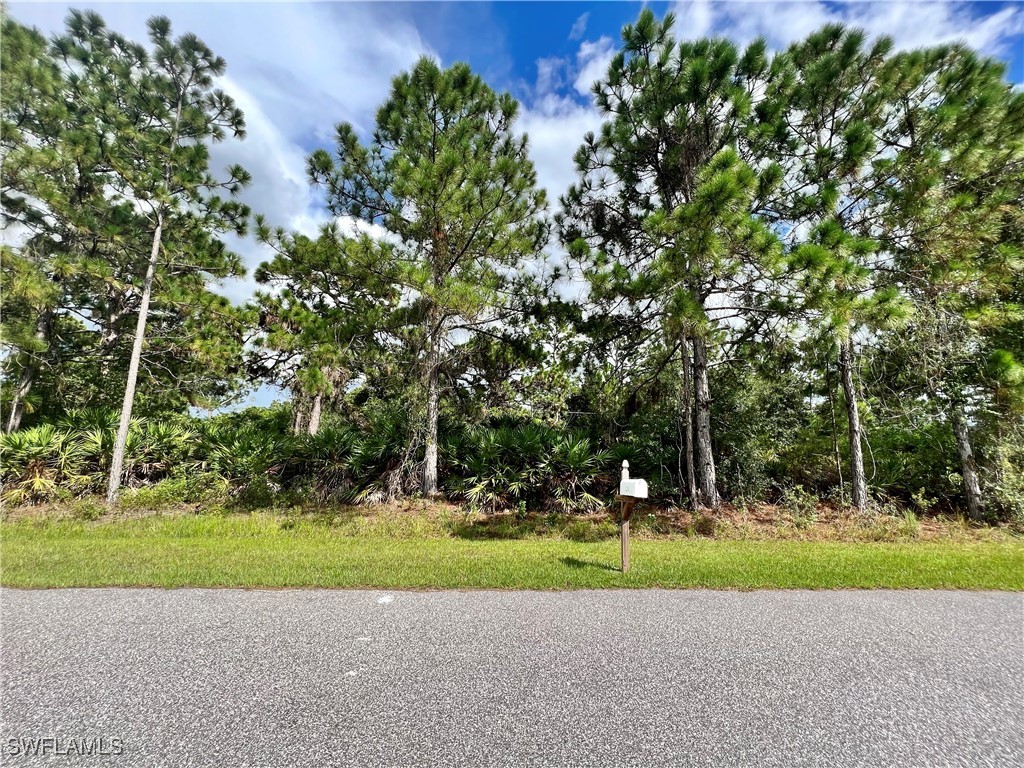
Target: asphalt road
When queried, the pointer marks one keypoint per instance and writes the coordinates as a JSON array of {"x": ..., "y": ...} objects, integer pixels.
[{"x": 617, "y": 678}]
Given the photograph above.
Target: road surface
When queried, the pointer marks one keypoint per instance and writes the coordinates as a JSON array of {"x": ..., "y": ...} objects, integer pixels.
[{"x": 612, "y": 678}]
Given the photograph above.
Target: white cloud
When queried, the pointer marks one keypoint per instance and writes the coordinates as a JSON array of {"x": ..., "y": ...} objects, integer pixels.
[
  {"x": 279, "y": 189},
  {"x": 310, "y": 64},
  {"x": 910, "y": 24},
  {"x": 579, "y": 26},
  {"x": 592, "y": 61},
  {"x": 297, "y": 69},
  {"x": 549, "y": 75},
  {"x": 294, "y": 70},
  {"x": 694, "y": 18},
  {"x": 556, "y": 126}
]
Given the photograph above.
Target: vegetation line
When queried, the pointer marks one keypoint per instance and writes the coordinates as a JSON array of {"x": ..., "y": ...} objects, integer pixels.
[
  {"x": 262, "y": 551},
  {"x": 768, "y": 263}
]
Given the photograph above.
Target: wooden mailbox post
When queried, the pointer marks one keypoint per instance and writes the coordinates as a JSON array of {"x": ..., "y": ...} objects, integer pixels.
[{"x": 629, "y": 491}]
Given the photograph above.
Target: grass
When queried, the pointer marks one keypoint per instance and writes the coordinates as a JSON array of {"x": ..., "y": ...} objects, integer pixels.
[{"x": 265, "y": 550}]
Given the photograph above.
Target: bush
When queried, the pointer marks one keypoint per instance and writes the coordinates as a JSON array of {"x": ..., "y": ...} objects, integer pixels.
[
  {"x": 801, "y": 505},
  {"x": 87, "y": 509},
  {"x": 72, "y": 457},
  {"x": 502, "y": 467},
  {"x": 182, "y": 489},
  {"x": 247, "y": 457},
  {"x": 1003, "y": 476},
  {"x": 38, "y": 464}
]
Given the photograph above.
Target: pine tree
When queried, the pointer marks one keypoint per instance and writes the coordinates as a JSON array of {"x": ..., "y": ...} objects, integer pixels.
[
  {"x": 662, "y": 218},
  {"x": 830, "y": 154},
  {"x": 327, "y": 323},
  {"x": 54, "y": 206},
  {"x": 445, "y": 174},
  {"x": 954, "y": 225},
  {"x": 157, "y": 112}
]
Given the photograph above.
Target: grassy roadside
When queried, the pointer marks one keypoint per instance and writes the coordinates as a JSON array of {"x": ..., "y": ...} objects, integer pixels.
[{"x": 266, "y": 551}]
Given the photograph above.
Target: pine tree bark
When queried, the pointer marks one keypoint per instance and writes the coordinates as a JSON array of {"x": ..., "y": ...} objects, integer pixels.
[
  {"x": 433, "y": 408},
  {"x": 835, "y": 431},
  {"x": 27, "y": 377},
  {"x": 858, "y": 480},
  {"x": 705, "y": 457},
  {"x": 969, "y": 467},
  {"x": 120, "y": 444},
  {"x": 691, "y": 475},
  {"x": 109, "y": 339},
  {"x": 298, "y": 414},
  {"x": 314, "y": 414},
  {"x": 21, "y": 391}
]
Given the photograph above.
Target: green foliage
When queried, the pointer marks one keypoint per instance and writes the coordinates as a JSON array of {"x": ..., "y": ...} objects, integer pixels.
[
  {"x": 801, "y": 505},
  {"x": 445, "y": 174},
  {"x": 1004, "y": 477},
  {"x": 496, "y": 468},
  {"x": 764, "y": 239},
  {"x": 195, "y": 487},
  {"x": 37, "y": 463},
  {"x": 72, "y": 457},
  {"x": 105, "y": 145}
]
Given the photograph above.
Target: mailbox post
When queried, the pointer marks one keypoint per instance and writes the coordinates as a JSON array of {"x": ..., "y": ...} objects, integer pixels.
[{"x": 629, "y": 491}]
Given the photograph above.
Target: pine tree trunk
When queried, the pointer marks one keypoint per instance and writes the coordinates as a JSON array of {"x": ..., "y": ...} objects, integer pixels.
[
  {"x": 858, "y": 481},
  {"x": 835, "y": 431},
  {"x": 314, "y": 414},
  {"x": 298, "y": 415},
  {"x": 117, "y": 460},
  {"x": 27, "y": 377},
  {"x": 691, "y": 477},
  {"x": 433, "y": 406},
  {"x": 21, "y": 391},
  {"x": 969, "y": 468},
  {"x": 108, "y": 342},
  {"x": 705, "y": 457}
]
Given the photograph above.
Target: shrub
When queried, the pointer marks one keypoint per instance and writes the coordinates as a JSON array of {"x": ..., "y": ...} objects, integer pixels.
[
  {"x": 501, "y": 467},
  {"x": 37, "y": 464},
  {"x": 87, "y": 508},
  {"x": 574, "y": 473},
  {"x": 326, "y": 460},
  {"x": 1004, "y": 476},
  {"x": 704, "y": 525},
  {"x": 801, "y": 505},
  {"x": 248, "y": 458},
  {"x": 190, "y": 488}
]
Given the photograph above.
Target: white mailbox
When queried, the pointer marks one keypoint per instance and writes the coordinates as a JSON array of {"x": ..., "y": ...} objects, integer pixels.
[{"x": 634, "y": 487}]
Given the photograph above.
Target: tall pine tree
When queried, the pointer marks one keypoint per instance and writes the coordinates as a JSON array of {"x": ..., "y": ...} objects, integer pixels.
[
  {"x": 662, "y": 217},
  {"x": 158, "y": 111},
  {"x": 445, "y": 174}
]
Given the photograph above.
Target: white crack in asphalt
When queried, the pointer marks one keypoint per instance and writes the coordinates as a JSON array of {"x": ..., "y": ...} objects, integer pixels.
[{"x": 193, "y": 677}]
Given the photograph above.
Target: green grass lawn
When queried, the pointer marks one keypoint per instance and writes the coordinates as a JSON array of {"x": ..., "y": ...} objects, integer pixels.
[{"x": 267, "y": 551}]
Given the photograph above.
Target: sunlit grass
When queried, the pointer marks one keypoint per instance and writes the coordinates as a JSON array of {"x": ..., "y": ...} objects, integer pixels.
[{"x": 262, "y": 550}]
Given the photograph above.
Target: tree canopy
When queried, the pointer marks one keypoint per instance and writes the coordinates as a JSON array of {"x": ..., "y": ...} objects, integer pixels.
[{"x": 777, "y": 272}]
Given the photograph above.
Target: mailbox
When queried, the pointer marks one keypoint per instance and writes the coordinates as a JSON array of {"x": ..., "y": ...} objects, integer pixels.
[
  {"x": 634, "y": 487},
  {"x": 630, "y": 489}
]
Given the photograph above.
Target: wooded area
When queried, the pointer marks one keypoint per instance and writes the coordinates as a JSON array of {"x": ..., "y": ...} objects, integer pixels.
[{"x": 779, "y": 273}]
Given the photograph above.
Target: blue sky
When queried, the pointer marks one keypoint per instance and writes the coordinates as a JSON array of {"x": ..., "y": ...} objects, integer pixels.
[{"x": 297, "y": 69}]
